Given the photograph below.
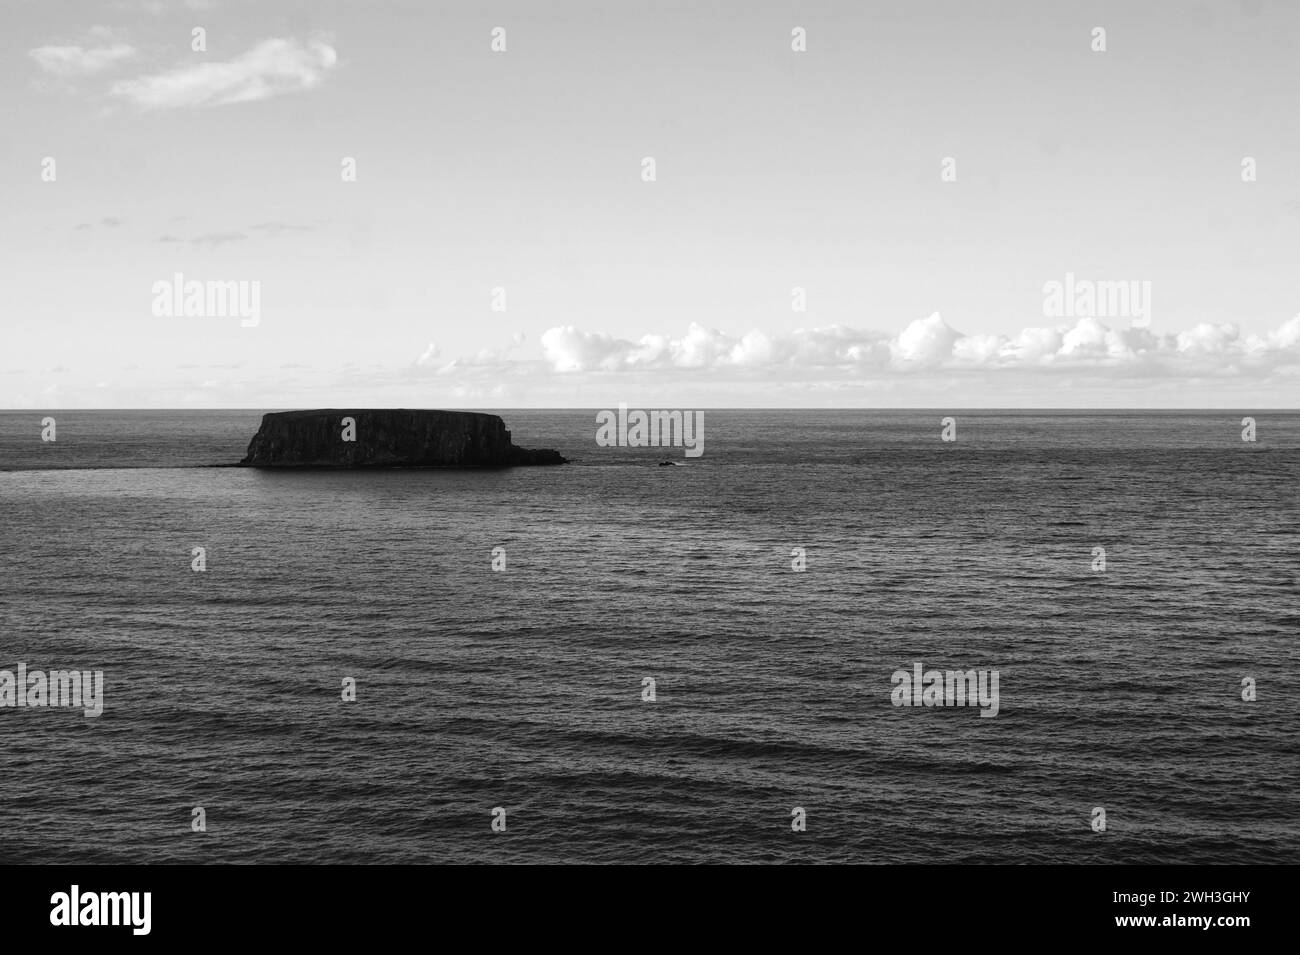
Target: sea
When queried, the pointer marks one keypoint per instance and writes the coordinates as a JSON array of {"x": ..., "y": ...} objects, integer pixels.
[{"x": 1132, "y": 578}]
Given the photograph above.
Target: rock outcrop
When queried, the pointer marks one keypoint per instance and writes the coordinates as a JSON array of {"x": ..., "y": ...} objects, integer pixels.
[{"x": 387, "y": 438}]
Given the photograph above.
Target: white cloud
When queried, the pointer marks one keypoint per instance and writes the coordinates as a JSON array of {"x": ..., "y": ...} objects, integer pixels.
[
  {"x": 73, "y": 61},
  {"x": 978, "y": 349},
  {"x": 1206, "y": 339},
  {"x": 930, "y": 344},
  {"x": 271, "y": 68},
  {"x": 568, "y": 349},
  {"x": 924, "y": 342},
  {"x": 1285, "y": 337},
  {"x": 755, "y": 349},
  {"x": 1031, "y": 346}
]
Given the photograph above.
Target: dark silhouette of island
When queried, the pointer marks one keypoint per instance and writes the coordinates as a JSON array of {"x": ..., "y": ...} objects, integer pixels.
[{"x": 387, "y": 438}]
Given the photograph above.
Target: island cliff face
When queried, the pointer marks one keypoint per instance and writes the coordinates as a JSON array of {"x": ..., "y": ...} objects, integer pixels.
[{"x": 387, "y": 439}]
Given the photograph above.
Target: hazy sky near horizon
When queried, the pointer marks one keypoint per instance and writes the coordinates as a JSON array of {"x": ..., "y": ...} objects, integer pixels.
[{"x": 774, "y": 170}]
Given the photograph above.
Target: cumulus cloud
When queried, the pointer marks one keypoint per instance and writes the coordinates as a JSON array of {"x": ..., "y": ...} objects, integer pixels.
[
  {"x": 272, "y": 68},
  {"x": 924, "y": 342},
  {"x": 1206, "y": 339},
  {"x": 1284, "y": 338},
  {"x": 927, "y": 362},
  {"x": 929, "y": 344}
]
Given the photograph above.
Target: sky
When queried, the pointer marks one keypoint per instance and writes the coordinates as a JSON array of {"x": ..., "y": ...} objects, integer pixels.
[{"x": 915, "y": 178}]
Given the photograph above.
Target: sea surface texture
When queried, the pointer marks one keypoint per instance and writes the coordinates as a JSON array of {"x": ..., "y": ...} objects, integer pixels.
[{"x": 522, "y": 688}]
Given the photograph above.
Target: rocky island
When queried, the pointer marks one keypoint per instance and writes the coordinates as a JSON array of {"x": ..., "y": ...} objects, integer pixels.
[{"x": 387, "y": 438}]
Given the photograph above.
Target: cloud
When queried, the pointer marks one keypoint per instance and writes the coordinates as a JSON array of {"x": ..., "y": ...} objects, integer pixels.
[
  {"x": 1284, "y": 338},
  {"x": 486, "y": 361},
  {"x": 569, "y": 349},
  {"x": 428, "y": 355},
  {"x": 930, "y": 344},
  {"x": 1079, "y": 363},
  {"x": 272, "y": 68},
  {"x": 924, "y": 342},
  {"x": 68, "y": 62}
]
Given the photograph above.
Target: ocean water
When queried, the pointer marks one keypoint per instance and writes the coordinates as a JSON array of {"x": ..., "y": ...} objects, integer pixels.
[{"x": 522, "y": 689}]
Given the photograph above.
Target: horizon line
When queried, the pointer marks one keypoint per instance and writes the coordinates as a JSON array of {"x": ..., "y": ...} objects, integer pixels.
[{"x": 908, "y": 408}]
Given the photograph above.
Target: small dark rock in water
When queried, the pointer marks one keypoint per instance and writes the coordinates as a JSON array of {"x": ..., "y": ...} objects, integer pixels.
[{"x": 387, "y": 438}]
